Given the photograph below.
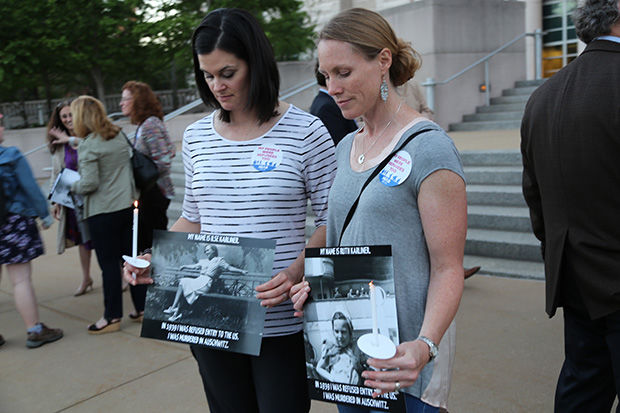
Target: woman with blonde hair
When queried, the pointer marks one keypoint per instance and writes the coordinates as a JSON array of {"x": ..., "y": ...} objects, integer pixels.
[
  {"x": 413, "y": 170},
  {"x": 71, "y": 231},
  {"x": 107, "y": 184}
]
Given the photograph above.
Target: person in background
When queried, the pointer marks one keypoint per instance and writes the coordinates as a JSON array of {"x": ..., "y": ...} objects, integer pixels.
[
  {"x": 107, "y": 184},
  {"x": 363, "y": 61},
  {"x": 250, "y": 168},
  {"x": 412, "y": 92},
  {"x": 144, "y": 109},
  {"x": 570, "y": 142},
  {"x": 71, "y": 230},
  {"x": 20, "y": 242},
  {"x": 325, "y": 108}
]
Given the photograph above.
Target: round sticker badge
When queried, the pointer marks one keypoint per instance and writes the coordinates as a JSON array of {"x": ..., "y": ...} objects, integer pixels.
[
  {"x": 266, "y": 158},
  {"x": 397, "y": 170}
]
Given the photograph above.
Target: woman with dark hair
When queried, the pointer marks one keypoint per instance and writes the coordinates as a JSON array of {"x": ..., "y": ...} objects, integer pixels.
[
  {"x": 340, "y": 359},
  {"x": 106, "y": 182},
  {"x": 71, "y": 230},
  {"x": 20, "y": 242},
  {"x": 144, "y": 109},
  {"x": 251, "y": 167},
  {"x": 423, "y": 189}
]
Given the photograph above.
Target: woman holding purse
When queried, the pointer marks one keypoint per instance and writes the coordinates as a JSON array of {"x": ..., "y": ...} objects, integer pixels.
[{"x": 107, "y": 184}]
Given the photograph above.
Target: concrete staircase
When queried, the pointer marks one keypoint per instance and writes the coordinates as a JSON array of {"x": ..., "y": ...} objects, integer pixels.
[
  {"x": 504, "y": 112},
  {"x": 499, "y": 236}
]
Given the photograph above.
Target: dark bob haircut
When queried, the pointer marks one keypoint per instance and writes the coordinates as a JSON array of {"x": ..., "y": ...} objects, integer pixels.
[{"x": 237, "y": 32}]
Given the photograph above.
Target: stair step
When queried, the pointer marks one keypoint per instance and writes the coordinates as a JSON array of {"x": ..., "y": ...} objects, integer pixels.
[
  {"x": 492, "y": 158},
  {"x": 519, "y": 91},
  {"x": 503, "y": 195},
  {"x": 510, "y": 99},
  {"x": 498, "y": 217},
  {"x": 527, "y": 83},
  {"x": 503, "y": 244},
  {"x": 513, "y": 115},
  {"x": 485, "y": 125},
  {"x": 502, "y": 267},
  {"x": 503, "y": 107},
  {"x": 492, "y": 175}
]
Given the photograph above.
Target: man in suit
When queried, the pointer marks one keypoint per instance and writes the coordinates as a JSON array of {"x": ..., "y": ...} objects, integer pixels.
[
  {"x": 571, "y": 182},
  {"x": 325, "y": 108}
]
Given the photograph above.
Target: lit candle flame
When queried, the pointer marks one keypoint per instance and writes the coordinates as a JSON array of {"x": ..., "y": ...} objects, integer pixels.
[{"x": 135, "y": 203}]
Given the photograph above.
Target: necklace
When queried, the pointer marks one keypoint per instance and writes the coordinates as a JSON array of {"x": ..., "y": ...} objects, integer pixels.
[{"x": 362, "y": 157}]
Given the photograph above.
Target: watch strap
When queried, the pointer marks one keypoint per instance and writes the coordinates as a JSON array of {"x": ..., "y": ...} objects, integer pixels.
[{"x": 432, "y": 347}]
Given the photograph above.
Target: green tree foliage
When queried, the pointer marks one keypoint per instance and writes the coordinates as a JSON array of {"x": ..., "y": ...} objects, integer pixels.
[
  {"x": 54, "y": 48},
  {"x": 286, "y": 25}
]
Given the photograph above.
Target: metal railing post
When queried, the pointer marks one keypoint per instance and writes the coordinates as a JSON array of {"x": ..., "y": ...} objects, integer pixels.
[
  {"x": 487, "y": 97},
  {"x": 538, "y": 46},
  {"x": 430, "y": 92}
]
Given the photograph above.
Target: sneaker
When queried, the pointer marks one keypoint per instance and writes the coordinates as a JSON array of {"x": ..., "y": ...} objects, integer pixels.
[
  {"x": 47, "y": 335},
  {"x": 1, "y": 340}
]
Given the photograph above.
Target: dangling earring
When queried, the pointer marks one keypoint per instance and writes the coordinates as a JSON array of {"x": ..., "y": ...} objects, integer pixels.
[{"x": 384, "y": 90}]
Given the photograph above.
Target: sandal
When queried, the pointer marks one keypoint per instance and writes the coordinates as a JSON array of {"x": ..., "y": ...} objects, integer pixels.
[
  {"x": 170, "y": 310},
  {"x": 110, "y": 327},
  {"x": 175, "y": 317},
  {"x": 137, "y": 317}
]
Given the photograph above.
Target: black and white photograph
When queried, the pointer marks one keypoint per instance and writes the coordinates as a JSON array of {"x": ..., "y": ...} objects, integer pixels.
[
  {"x": 350, "y": 316},
  {"x": 203, "y": 291}
]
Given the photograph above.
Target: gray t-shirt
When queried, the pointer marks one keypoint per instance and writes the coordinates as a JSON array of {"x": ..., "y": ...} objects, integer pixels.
[{"x": 388, "y": 215}]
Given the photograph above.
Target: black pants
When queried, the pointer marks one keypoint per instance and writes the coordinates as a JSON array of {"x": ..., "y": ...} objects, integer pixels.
[
  {"x": 153, "y": 206},
  {"x": 273, "y": 382},
  {"x": 111, "y": 237},
  {"x": 590, "y": 377}
]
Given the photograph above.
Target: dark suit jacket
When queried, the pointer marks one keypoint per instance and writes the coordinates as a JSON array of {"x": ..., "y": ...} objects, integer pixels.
[
  {"x": 325, "y": 108},
  {"x": 571, "y": 179}
]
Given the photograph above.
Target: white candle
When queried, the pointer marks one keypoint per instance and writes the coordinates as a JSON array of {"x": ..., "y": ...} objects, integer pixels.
[
  {"x": 134, "y": 240},
  {"x": 373, "y": 305}
]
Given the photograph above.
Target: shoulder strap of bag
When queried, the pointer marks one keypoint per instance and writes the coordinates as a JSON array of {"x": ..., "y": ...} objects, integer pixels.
[
  {"x": 133, "y": 149},
  {"x": 374, "y": 173}
]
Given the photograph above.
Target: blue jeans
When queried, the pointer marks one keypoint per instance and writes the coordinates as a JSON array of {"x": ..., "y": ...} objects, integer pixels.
[{"x": 414, "y": 405}]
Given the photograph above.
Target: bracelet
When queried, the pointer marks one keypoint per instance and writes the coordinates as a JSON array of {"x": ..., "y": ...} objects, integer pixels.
[
  {"x": 72, "y": 140},
  {"x": 432, "y": 347},
  {"x": 147, "y": 251}
]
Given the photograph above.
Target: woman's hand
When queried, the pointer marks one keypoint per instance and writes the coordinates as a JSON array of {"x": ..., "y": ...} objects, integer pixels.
[
  {"x": 276, "y": 290},
  {"x": 60, "y": 137},
  {"x": 143, "y": 275},
  {"x": 56, "y": 211},
  {"x": 299, "y": 294},
  {"x": 404, "y": 368}
]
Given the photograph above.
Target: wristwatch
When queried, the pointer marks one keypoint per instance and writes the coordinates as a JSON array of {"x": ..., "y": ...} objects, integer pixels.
[{"x": 432, "y": 347}]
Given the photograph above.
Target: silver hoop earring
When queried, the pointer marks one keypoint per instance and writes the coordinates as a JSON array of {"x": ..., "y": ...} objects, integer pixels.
[{"x": 384, "y": 90}]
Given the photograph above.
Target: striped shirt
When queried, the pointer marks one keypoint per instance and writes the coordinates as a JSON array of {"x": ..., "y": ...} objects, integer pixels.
[{"x": 259, "y": 188}]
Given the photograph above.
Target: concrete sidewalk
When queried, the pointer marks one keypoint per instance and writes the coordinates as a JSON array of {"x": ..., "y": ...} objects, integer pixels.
[{"x": 508, "y": 352}]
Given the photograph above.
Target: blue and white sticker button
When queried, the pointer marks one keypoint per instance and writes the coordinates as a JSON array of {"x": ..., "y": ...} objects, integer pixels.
[
  {"x": 266, "y": 158},
  {"x": 397, "y": 170}
]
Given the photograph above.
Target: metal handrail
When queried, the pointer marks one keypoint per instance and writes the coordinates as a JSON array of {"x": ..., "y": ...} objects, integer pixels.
[
  {"x": 430, "y": 83},
  {"x": 185, "y": 108}
]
